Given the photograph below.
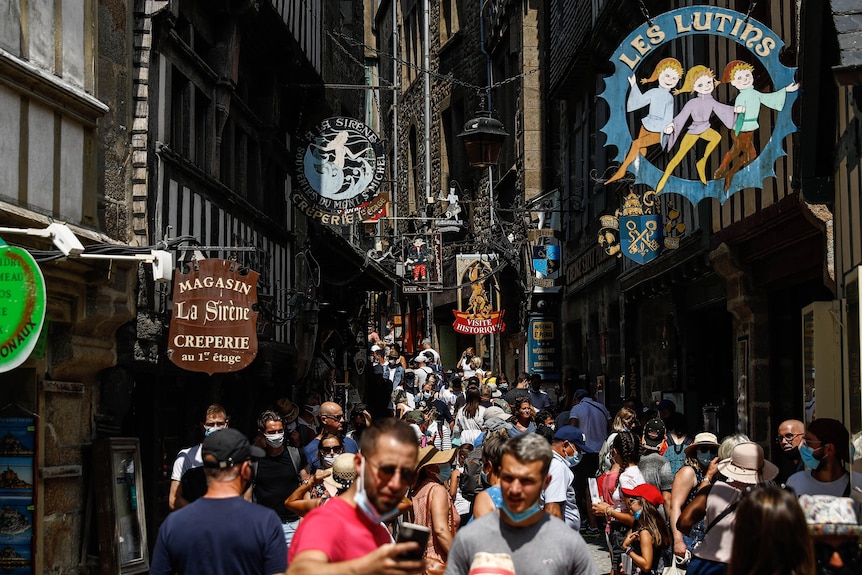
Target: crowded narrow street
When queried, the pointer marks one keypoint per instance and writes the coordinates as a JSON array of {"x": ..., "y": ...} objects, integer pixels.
[{"x": 438, "y": 287}]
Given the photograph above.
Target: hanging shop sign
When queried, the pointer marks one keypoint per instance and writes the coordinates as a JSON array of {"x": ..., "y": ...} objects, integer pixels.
[
  {"x": 637, "y": 231},
  {"x": 214, "y": 323},
  {"x": 479, "y": 301},
  {"x": 22, "y": 305},
  {"x": 543, "y": 347},
  {"x": 677, "y": 124},
  {"x": 422, "y": 262},
  {"x": 340, "y": 171}
]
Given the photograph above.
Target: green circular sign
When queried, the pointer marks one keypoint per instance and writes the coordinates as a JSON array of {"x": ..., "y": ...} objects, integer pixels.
[{"x": 22, "y": 306}]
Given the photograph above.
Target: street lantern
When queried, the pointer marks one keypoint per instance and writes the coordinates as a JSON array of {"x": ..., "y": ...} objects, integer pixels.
[{"x": 483, "y": 138}]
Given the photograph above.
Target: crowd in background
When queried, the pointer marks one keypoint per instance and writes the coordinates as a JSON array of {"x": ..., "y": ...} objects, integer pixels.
[{"x": 661, "y": 497}]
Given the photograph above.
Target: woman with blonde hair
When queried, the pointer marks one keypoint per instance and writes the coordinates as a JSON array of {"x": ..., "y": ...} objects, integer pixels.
[
  {"x": 624, "y": 420},
  {"x": 667, "y": 72},
  {"x": 700, "y": 80}
]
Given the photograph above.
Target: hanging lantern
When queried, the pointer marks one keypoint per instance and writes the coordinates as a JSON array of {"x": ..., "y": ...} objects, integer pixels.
[{"x": 483, "y": 138}]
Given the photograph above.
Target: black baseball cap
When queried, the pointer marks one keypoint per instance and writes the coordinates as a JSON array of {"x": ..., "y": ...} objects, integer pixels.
[{"x": 229, "y": 447}]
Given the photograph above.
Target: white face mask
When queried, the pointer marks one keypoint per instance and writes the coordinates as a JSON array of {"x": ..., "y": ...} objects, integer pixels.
[
  {"x": 314, "y": 409},
  {"x": 327, "y": 461},
  {"x": 274, "y": 439}
]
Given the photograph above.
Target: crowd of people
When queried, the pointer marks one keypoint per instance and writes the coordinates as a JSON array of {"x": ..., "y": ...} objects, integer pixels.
[{"x": 505, "y": 480}]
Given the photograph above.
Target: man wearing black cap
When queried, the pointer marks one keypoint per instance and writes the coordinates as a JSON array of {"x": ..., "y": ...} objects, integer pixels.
[
  {"x": 559, "y": 495},
  {"x": 653, "y": 465},
  {"x": 221, "y": 533}
]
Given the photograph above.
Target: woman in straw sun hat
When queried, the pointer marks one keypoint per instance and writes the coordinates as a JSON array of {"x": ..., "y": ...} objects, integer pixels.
[
  {"x": 716, "y": 505},
  {"x": 699, "y": 470},
  {"x": 432, "y": 506}
]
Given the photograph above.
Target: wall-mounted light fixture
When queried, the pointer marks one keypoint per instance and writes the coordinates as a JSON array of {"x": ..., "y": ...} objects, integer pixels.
[{"x": 68, "y": 243}]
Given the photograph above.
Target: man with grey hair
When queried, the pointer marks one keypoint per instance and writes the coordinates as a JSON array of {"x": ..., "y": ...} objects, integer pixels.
[
  {"x": 503, "y": 539},
  {"x": 221, "y": 533}
]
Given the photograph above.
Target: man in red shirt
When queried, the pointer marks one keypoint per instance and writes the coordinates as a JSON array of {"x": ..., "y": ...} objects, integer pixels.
[{"x": 346, "y": 535}]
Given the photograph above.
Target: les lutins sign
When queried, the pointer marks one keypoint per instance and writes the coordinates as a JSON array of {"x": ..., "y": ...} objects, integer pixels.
[
  {"x": 22, "y": 305},
  {"x": 214, "y": 325}
]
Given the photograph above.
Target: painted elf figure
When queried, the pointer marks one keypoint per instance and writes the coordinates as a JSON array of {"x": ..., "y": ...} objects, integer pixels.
[{"x": 747, "y": 104}]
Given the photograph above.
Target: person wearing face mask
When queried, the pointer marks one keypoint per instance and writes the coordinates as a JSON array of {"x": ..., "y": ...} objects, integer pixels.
[
  {"x": 314, "y": 492},
  {"x": 279, "y": 473},
  {"x": 221, "y": 532},
  {"x": 331, "y": 421},
  {"x": 653, "y": 465},
  {"x": 536, "y": 542},
  {"x": 789, "y": 439},
  {"x": 559, "y": 496},
  {"x": 432, "y": 505},
  {"x": 392, "y": 371},
  {"x": 825, "y": 451},
  {"x": 649, "y": 536},
  {"x": 307, "y": 423},
  {"x": 346, "y": 534},
  {"x": 700, "y": 470},
  {"x": 717, "y": 504},
  {"x": 185, "y": 486}
]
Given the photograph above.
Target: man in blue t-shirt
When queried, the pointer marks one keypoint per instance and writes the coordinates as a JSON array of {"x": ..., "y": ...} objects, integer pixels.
[
  {"x": 331, "y": 421},
  {"x": 221, "y": 533}
]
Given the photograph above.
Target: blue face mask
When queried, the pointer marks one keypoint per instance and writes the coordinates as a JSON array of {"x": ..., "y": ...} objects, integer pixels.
[
  {"x": 445, "y": 472},
  {"x": 484, "y": 477},
  {"x": 573, "y": 460},
  {"x": 426, "y": 395},
  {"x": 364, "y": 505},
  {"x": 210, "y": 430},
  {"x": 807, "y": 455},
  {"x": 705, "y": 458},
  {"x": 637, "y": 514},
  {"x": 523, "y": 515}
]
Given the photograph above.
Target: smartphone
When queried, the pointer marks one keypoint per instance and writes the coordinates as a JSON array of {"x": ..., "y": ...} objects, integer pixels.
[{"x": 413, "y": 532}]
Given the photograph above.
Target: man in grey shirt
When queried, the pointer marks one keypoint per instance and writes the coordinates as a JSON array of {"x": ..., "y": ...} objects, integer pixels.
[{"x": 502, "y": 540}]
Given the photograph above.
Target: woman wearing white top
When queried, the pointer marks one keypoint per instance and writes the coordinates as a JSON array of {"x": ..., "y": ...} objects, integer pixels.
[
  {"x": 468, "y": 421},
  {"x": 465, "y": 363}
]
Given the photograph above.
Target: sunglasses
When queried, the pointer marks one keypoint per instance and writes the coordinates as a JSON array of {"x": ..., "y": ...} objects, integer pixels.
[
  {"x": 331, "y": 449},
  {"x": 339, "y": 417},
  {"x": 386, "y": 472}
]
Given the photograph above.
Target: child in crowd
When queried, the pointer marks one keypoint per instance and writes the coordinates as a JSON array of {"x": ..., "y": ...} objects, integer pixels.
[{"x": 650, "y": 535}]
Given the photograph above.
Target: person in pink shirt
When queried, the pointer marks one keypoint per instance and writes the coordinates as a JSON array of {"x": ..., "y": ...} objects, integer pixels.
[{"x": 347, "y": 534}]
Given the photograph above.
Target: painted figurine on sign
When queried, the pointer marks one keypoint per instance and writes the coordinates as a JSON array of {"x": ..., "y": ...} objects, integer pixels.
[
  {"x": 699, "y": 109},
  {"x": 741, "y": 76},
  {"x": 659, "y": 114},
  {"x": 418, "y": 256}
]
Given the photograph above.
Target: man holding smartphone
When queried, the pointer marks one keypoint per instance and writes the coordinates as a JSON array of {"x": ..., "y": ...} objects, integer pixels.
[{"x": 347, "y": 534}]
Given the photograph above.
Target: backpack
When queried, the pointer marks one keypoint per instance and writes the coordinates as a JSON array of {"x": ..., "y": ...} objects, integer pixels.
[{"x": 470, "y": 481}]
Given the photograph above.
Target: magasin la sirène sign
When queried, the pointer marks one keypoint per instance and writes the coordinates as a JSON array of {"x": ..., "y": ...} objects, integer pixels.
[{"x": 214, "y": 324}]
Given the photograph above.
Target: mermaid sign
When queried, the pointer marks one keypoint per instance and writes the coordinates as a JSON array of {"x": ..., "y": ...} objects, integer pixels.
[
  {"x": 340, "y": 172},
  {"x": 691, "y": 128}
]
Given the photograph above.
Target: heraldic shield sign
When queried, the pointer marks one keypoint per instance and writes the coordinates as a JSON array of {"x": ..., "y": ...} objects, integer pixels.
[
  {"x": 214, "y": 323},
  {"x": 638, "y": 231},
  {"x": 340, "y": 172},
  {"x": 686, "y": 117},
  {"x": 640, "y": 237}
]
